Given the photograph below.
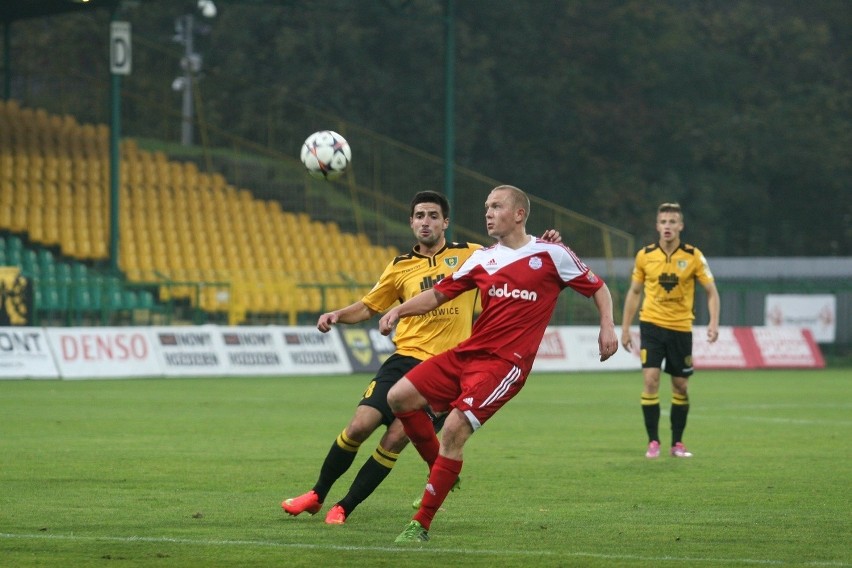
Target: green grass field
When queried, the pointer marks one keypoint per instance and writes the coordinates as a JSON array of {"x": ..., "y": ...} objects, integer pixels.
[{"x": 191, "y": 472}]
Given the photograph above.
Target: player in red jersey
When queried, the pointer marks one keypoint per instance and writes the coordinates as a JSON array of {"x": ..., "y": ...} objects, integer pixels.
[{"x": 519, "y": 279}]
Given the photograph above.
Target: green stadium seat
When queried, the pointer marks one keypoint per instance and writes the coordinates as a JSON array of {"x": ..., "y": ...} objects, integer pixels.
[
  {"x": 112, "y": 297},
  {"x": 63, "y": 272},
  {"x": 29, "y": 262},
  {"x": 96, "y": 286},
  {"x": 79, "y": 272},
  {"x": 63, "y": 293},
  {"x": 38, "y": 298},
  {"x": 45, "y": 260},
  {"x": 51, "y": 299},
  {"x": 145, "y": 300},
  {"x": 129, "y": 300},
  {"x": 47, "y": 271},
  {"x": 81, "y": 298},
  {"x": 13, "y": 257},
  {"x": 14, "y": 243}
]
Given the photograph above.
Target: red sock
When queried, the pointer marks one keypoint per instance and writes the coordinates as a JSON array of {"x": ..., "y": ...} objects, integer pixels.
[
  {"x": 441, "y": 479},
  {"x": 419, "y": 429}
]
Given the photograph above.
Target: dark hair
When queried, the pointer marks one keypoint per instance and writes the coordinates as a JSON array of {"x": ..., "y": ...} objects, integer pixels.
[{"x": 431, "y": 197}]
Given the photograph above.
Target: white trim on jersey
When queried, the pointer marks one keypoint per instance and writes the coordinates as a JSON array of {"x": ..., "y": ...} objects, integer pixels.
[{"x": 497, "y": 256}]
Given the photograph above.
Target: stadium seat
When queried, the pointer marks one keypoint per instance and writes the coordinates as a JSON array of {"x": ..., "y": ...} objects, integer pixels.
[
  {"x": 55, "y": 188},
  {"x": 81, "y": 299}
]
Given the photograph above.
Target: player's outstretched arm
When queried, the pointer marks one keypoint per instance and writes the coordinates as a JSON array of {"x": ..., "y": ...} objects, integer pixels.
[
  {"x": 353, "y": 313},
  {"x": 420, "y": 304}
]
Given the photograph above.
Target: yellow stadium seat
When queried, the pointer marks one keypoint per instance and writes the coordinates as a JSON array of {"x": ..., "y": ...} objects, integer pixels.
[
  {"x": 5, "y": 216},
  {"x": 19, "y": 218}
]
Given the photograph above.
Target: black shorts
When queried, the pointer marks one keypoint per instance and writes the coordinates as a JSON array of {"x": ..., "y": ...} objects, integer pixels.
[
  {"x": 658, "y": 343},
  {"x": 376, "y": 395}
]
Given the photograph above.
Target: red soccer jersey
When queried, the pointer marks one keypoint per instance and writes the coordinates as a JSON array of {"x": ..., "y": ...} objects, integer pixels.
[{"x": 519, "y": 289}]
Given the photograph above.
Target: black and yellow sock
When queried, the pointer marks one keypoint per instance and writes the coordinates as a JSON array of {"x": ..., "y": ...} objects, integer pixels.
[
  {"x": 651, "y": 413},
  {"x": 370, "y": 476},
  {"x": 339, "y": 458},
  {"x": 680, "y": 409}
]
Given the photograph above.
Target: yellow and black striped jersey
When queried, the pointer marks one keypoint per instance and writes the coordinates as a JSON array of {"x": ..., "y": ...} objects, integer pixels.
[
  {"x": 669, "y": 282},
  {"x": 411, "y": 273}
]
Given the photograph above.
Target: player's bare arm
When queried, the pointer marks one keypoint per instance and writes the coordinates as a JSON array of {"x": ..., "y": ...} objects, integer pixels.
[
  {"x": 631, "y": 304},
  {"x": 607, "y": 338},
  {"x": 420, "y": 304},
  {"x": 353, "y": 313},
  {"x": 713, "y": 306}
]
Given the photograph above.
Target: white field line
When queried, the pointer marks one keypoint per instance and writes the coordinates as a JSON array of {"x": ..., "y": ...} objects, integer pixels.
[{"x": 425, "y": 549}]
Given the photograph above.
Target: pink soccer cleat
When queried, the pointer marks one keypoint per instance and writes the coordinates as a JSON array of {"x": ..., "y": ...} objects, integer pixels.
[
  {"x": 308, "y": 502},
  {"x": 653, "y": 450}
]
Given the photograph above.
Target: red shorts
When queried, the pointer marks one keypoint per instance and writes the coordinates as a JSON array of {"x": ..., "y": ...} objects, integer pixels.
[{"x": 478, "y": 385}]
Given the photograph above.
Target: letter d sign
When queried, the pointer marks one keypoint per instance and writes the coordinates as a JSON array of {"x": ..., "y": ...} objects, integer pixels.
[{"x": 119, "y": 48}]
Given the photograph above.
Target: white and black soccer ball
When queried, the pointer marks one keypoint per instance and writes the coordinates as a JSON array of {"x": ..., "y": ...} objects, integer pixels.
[{"x": 326, "y": 154}]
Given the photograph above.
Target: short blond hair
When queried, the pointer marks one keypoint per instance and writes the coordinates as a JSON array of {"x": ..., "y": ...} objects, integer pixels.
[{"x": 519, "y": 198}]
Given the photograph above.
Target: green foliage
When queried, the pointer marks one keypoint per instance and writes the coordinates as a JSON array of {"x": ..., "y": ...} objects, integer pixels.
[{"x": 192, "y": 471}]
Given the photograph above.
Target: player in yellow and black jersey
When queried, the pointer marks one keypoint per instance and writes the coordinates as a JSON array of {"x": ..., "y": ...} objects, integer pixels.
[
  {"x": 416, "y": 339},
  {"x": 408, "y": 275},
  {"x": 666, "y": 272}
]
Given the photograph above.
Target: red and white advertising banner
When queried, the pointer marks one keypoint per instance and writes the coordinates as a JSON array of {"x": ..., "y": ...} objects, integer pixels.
[
  {"x": 575, "y": 348},
  {"x": 815, "y": 312},
  {"x": 104, "y": 352},
  {"x": 724, "y": 353},
  {"x": 25, "y": 354},
  {"x": 756, "y": 348},
  {"x": 785, "y": 347}
]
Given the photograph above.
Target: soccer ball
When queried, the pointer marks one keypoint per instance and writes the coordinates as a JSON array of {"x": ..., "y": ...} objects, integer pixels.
[{"x": 326, "y": 154}]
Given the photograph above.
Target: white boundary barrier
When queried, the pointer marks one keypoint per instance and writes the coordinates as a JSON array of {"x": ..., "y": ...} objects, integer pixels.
[
  {"x": 25, "y": 354},
  {"x": 131, "y": 352}
]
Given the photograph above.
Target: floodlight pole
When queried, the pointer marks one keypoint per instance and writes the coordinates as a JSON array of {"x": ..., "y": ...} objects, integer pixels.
[
  {"x": 7, "y": 61},
  {"x": 186, "y": 137},
  {"x": 114, "y": 165},
  {"x": 120, "y": 64},
  {"x": 449, "y": 107}
]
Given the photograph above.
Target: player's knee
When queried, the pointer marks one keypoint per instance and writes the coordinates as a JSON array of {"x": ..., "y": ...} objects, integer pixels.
[
  {"x": 457, "y": 429},
  {"x": 359, "y": 431},
  {"x": 401, "y": 396},
  {"x": 362, "y": 428}
]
